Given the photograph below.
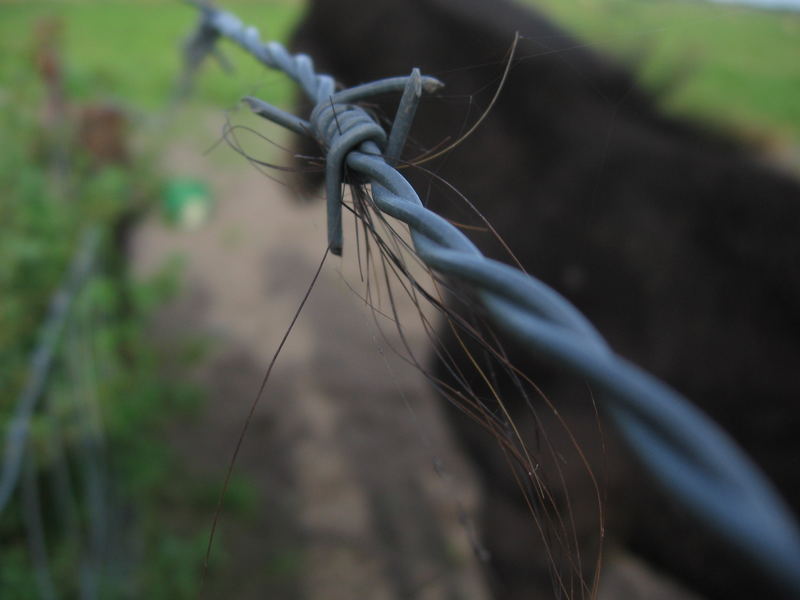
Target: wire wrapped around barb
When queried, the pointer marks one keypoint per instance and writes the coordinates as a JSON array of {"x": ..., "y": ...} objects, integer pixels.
[
  {"x": 339, "y": 126},
  {"x": 692, "y": 457},
  {"x": 342, "y": 128}
]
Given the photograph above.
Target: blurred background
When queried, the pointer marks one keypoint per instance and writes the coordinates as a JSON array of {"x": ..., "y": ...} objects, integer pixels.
[{"x": 148, "y": 272}]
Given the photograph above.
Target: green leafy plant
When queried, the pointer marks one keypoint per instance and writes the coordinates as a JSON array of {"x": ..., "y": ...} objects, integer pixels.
[{"x": 96, "y": 460}]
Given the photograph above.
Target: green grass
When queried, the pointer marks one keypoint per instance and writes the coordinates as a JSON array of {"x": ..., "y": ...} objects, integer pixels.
[
  {"x": 735, "y": 66},
  {"x": 129, "y": 49}
]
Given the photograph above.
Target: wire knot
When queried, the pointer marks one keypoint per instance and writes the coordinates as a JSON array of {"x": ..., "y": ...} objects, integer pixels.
[{"x": 340, "y": 129}]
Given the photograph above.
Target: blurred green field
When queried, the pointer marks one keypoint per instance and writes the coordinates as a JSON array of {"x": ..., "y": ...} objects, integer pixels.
[
  {"x": 128, "y": 50},
  {"x": 733, "y": 65}
]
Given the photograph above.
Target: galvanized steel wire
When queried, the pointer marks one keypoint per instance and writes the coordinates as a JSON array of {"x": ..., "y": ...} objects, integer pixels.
[{"x": 694, "y": 459}]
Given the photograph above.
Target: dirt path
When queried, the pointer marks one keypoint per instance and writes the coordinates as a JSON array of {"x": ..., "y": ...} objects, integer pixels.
[{"x": 349, "y": 499}]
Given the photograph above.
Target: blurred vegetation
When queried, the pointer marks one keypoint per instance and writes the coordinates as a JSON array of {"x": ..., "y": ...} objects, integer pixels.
[
  {"x": 735, "y": 66},
  {"x": 104, "y": 362},
  {"x": 732, "y": 65},
  {"x": 116, "y": 505},
  {"x": 128, "y": 50}
]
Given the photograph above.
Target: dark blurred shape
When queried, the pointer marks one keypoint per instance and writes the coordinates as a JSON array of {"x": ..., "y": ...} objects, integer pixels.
[
  {"x": 98, "y": 130},
  {"x": 102, "y": 131},
  {"x": 48, "y": 36},
  {"x": 678, "y": 243}
]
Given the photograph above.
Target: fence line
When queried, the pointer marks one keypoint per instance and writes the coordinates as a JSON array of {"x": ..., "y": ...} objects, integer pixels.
[
  {"x": 41, "y": 360},
  {"x": 694, "y": 459},
  {"x": 19, "y": 466}
]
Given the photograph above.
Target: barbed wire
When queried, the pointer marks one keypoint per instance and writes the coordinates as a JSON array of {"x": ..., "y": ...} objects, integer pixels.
[{"x": 694, "y": 459}]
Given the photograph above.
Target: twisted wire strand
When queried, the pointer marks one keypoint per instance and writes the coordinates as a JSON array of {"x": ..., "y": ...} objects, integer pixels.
[{"x": 691, "y": 456}]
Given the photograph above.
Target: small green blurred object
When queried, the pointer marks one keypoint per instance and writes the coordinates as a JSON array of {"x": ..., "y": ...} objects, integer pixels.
[{"x": 186, "y": 203}]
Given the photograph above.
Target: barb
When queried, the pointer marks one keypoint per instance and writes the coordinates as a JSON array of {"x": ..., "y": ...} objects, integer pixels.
[{"x": 691, "y": 456}]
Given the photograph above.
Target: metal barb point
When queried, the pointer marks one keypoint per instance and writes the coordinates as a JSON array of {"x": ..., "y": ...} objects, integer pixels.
[{"x": 404, "y": 117}]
